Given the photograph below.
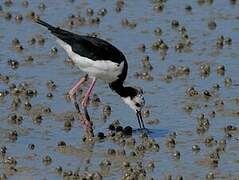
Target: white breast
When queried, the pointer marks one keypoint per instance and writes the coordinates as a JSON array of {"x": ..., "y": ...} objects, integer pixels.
[{"x": 105, "y": 70}]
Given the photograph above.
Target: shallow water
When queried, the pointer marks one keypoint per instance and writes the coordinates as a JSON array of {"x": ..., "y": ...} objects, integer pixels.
[{"x": 165, "y": 101}]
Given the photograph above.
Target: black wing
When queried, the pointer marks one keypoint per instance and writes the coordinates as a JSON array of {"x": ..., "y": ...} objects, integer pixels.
[{"x": 86, "y": 46}]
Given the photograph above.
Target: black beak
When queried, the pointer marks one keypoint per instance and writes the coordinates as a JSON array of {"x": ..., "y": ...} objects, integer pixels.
[{"x": 140, "y": 119}]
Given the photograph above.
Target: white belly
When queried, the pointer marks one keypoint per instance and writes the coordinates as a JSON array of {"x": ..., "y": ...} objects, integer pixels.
[{"x": 105, "y": 70}]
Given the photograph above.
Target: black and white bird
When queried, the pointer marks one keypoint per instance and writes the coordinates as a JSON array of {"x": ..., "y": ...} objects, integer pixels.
[{"x": 99, "y": 60}]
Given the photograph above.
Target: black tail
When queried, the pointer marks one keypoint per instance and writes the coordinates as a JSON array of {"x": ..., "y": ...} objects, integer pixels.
[
  {"x": 58, "y": 32},
  {"x": 43, "y": 23}
]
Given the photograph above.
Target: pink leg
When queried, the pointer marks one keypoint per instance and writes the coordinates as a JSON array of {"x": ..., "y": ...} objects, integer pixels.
[
  {"x": 76, "y": 87},
  {"x": 86, "y": 98}
]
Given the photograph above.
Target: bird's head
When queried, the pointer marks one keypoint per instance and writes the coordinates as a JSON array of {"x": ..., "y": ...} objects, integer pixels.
[{"x": 135, "y": 100}]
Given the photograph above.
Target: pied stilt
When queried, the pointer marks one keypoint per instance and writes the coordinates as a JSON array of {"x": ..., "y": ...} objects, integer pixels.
[{"x": 100, "y": 60}]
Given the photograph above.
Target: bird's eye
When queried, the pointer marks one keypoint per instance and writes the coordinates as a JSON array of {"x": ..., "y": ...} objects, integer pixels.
[{"x": 137, "y": 104}]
